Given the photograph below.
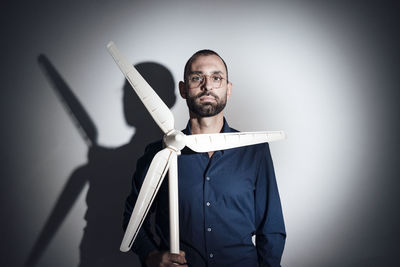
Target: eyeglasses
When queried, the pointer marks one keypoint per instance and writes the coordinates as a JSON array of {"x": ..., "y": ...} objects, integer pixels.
[{"x": 196, "y": 79}]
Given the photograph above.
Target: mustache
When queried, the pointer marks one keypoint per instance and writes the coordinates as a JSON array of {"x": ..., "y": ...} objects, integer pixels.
[{"x": 207, "y": 93}]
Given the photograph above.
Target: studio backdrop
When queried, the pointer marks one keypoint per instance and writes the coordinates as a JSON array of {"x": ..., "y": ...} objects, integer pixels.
[{"x": 325, "y": 72}]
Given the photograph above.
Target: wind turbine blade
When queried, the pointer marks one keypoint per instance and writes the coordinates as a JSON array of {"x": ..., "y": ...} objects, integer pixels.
[
  {"x": 173, "y": 204},
  {"x": 157, "y": 108},
  {"x": 151, "y": 184},
  {"x": 221, "y": 141}
]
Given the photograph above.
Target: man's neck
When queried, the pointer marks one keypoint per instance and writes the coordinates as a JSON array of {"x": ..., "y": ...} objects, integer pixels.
[{"x": 206, "y": 125}]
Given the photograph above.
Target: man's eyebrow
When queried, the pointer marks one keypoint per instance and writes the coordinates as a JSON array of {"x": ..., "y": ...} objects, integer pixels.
[
  {"x": 217, "y": 72},
  {"x": 196, "y": 72},
  {"x": 200, "y": 72}
]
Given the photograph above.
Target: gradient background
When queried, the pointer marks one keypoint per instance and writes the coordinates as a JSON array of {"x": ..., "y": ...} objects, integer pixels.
[{"x": 326, "y": 72}]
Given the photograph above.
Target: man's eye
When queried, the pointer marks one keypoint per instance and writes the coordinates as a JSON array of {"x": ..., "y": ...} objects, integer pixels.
[
  {"x": 195, "y": 78},
  {"x": 216, "y": 78}
]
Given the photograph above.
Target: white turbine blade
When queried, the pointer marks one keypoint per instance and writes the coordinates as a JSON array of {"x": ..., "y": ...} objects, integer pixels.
[
  {"x": 148, "y": 191},
  {"x": 157, "y": 108},
  {"x": 221, "y": 141},
  {"x": 173, "y": 204}
]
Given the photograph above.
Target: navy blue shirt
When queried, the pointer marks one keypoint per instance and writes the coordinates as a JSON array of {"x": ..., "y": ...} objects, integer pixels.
[{"x": 223, "y": 201}]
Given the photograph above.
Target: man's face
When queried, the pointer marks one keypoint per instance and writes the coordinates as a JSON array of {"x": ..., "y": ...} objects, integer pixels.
[{"x": 206, "y": 90}]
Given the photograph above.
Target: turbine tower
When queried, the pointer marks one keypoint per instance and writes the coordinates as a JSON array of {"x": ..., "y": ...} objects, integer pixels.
[{"x": 167, "y": 159}]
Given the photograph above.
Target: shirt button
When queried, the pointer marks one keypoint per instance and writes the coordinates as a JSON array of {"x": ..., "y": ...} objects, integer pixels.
[
  {"x": 208, "y": 178},
  {"x": 208, "y": 203},
  {"x": 209, "y": 229},
  {"x": 211, "y": 255}
]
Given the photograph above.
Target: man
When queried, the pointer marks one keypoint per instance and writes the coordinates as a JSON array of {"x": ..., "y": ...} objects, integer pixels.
[{"x": 225, "y": 197}]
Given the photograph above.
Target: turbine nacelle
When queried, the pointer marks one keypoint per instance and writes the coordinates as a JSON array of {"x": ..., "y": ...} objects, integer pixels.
[{"x": 175, "y": 140}]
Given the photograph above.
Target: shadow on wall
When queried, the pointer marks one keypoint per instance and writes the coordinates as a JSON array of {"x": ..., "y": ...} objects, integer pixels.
[{"x": 108, "y": 171}]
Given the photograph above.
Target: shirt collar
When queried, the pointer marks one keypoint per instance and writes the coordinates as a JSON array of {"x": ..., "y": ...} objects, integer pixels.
[{"x": 225, "y": 128}]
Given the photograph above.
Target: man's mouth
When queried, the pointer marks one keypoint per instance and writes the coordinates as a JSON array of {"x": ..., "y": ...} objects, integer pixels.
[{"x": 207, "y": 98}]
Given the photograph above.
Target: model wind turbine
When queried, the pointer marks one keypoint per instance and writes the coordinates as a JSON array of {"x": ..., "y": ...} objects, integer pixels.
[{"x": 167, "y": 159}]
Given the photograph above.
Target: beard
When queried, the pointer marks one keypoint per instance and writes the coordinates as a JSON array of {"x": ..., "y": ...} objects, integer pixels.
[{"x": 206, "y": 109}]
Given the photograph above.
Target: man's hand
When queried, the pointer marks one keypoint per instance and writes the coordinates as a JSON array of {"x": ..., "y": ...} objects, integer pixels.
[{"x": 165, "y": 259}]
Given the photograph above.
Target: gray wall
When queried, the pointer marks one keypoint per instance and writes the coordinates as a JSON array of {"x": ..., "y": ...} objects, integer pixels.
[{"x": 326, "y": 73}]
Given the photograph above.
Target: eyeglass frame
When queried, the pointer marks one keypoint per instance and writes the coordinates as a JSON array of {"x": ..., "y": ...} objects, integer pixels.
[{"x": 203, "y": 76}]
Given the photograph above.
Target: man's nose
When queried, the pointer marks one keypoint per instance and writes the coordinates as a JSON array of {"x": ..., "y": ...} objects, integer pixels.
[{"x": 207, "y": 83}]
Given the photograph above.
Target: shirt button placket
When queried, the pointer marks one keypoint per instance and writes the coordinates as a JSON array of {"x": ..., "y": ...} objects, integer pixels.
[
  {"x": 209, "y": 229},
  {"x": 210, "y": 255}
]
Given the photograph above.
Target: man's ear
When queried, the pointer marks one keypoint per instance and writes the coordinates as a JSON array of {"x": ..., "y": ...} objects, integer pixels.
[
  {"x": 229, "y": 90},
  {"x": 182, "y": 90}
]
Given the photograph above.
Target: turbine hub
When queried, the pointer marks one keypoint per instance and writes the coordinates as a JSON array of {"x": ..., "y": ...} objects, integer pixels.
[{"x": 175, "y": 140}]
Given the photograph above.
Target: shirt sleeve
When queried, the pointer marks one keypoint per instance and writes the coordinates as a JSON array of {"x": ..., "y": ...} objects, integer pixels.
[
  {"x": 144, "y": 242},
  {"x": 270, "y": 231}
]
